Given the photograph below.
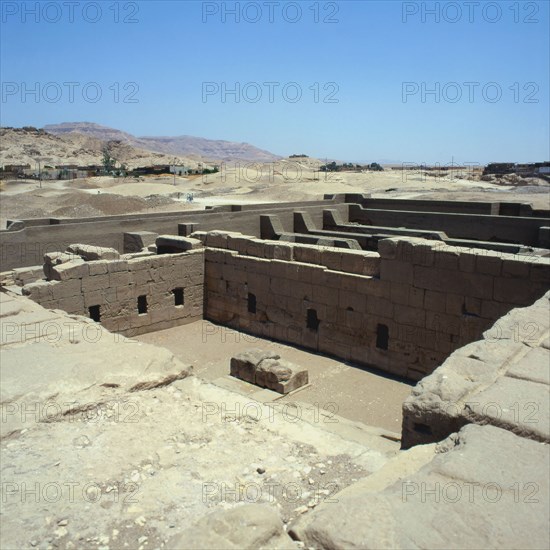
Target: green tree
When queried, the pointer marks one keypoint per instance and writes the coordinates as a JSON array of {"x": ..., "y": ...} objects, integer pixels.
[{"x": 108, "y": 159}]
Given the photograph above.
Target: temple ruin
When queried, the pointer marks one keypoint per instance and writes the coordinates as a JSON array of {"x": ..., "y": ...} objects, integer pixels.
[{"x": 451, "y": 296}]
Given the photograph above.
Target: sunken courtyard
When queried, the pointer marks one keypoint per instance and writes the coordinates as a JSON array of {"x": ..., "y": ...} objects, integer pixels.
[{"x": 352, "y": 372}]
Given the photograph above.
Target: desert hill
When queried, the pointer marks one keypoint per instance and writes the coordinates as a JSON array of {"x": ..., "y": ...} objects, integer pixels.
[
  {"x": 186, "y": 146},
  {"x": 28, "y": 145}
]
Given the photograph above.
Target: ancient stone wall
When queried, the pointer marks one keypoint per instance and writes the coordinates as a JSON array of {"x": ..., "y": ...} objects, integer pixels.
[
  {"x": 507, "y": 229},
  {"x": 403, "y": 310},
  {"x": 130, "y": 296},
  {"x": 503, "y": 379},
  {"x": 26, "y": 246}
]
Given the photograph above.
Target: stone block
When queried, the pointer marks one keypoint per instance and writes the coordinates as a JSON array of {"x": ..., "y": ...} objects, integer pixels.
[
  {"x": 396, "y": 271},
  {"x": 174, "y": 244},
  {"x": 119, "y": 265},
  {"x": 136, "y": 241},
  {"x": 95, "y": 298},
  {"x": 98, "y": 267},
  {"x": 399, "y": 293},
  {"x": 239, "y": 242},
  {"x": 74, "y": 269},
  {"x": 442, "y": 323},
  {"x": 331, "y": 258},
  {"x": 324, "y": 295},
  {"x": 281, "y": 269},
  {"x": 305, "y": 273},
  {"x": 298, "y": 379},
  {"x": 98, "y": 282},
  {"x": 519, "y": 292},
  {"x": 66, "y": 289},
  {"x": 119, "y": 278},
  {"x": 72, "y": 304},
  {"x": 201, "y": 235},
  {"x": 280, "y": 287},
  {"x": 255, "y": 247},
  {"x": 424, "y": 254},
  {"x": 379, "y": 306},
  {"x": 515, "y": 268},
  {"x": 371, "y": 265},
  {"x": 540, "y": 271},
  {"x": 352, "y": 262},
  {"x": 25, "y": 275},
  {"x": 344, "y": 281},
  {"x": 278, "y": 251},
  {"x": 141, "y": 277},
  {"x": 407, "y": 315},
  {"x": 268, "y": 370},
  {"x": 56, "y": 258},
  {"x": 416, "y": 297},
  {"x": 490, "y": 309},
  {"x": 372, "y": 286},
  {"x": 446, "y": 259},
  {"x": 40, "y": 291},
  {"x": 301, "y": 291},
  {"x": 214, "y": 256},
  {"x": 489, "y": 262},
  {"x": 454, "y": 304},
  {"x": 216, "y": 239},
  {"x": 351, "y": 300},
  {"x": 89, "y": 253},
  {"x": 435, "y": 301},
  {"x": 244, "y": 364},
  {"x": 387, "y": 248},
  {"x": 467, "y": 262},
  {"x": 308, "y": 254}
]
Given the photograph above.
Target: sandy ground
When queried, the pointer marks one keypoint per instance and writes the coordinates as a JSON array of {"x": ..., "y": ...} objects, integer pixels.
[
  {"x": 244, "y": 183},
  {"x": 336, "y": 387}
]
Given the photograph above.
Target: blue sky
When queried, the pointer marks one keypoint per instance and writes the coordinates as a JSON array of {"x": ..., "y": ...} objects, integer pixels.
[{"x": 364, "y": 70}]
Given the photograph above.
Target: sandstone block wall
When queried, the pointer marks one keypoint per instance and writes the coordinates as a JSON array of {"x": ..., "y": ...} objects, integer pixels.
[
  {"x": 27, "y": 246},
  {"x": 130, "y": 296},
  {"x": 502, "y": 379},
  {"x": 416, "y": 303},
  {"x": 509, "y": 229}
]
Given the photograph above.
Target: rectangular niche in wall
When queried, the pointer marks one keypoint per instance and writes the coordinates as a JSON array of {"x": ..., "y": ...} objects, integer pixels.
[
  {"x": 178, "y": 296},
  {"x": 142, "y": 304},
  {"x": 312, "y": 321},
  {"x": 382, "y": 336},
  {"x": 251, "y": 303},
  {"x": 95, "y": 313}
]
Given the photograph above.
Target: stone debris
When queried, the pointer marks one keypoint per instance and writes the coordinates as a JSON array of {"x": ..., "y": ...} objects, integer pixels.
[
  {"x": 268, "y": 370},
  {"x": 91, "y": 253},
  {"x": 173, "y": 244},
  {"x": 136, "y": 241},
  {"x": 53, "y": 259},
  {"x": 246, "y": 527}
]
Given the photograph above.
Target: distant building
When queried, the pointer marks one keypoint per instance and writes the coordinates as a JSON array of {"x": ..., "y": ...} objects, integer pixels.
[
  {"x": 179, "y": 170},
  {"x": 530, "y": 169},
  {"x": 15, "y": 168}
]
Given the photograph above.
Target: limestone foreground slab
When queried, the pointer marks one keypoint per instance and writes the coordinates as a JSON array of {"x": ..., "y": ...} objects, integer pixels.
[{"x": 485, "y": 488}]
